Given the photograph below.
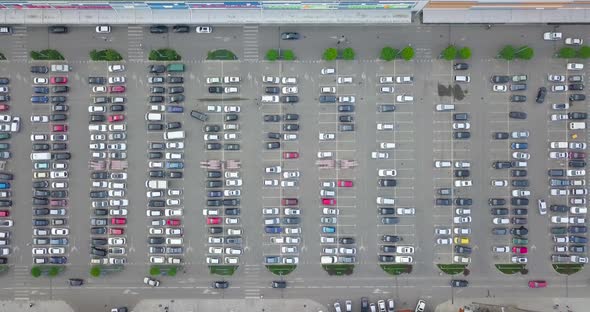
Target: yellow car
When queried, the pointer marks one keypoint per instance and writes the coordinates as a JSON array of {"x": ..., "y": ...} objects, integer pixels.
[{"x": 461, "y": 240}]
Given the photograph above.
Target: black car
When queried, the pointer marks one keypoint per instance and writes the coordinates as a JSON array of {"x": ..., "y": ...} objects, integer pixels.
[
  {"x": 499, "y": 211},
  {"x": 501, "y": 165},
  {"x": 156, "y": 240},
  {"x": 459, "y": 283},
  {"x": 291, "y": 117},
  {"x": 157, "y": 203},
  {"x": 97, "y": 118},
  {"x": 175, "y": 79},
  {"x": 156, "y": 99},
  {"x": 155, "y": 155},
  {"x": 559, "y": 208},
  {"x": 215, "y": 230},
  {"x": 443, "y": 201},
  {"x": 99, "y": 175},
  {"x": 40, "y": 147},
  {"x": 517, "y": 87},
  {"x": 577, "y": 115},
  {"x": 99, "y": 242},
  {"x": 577, "y": 97},
  {"x": 345, "y": 127},
  {"x": 518, "y": 220},
  {"x": 213, "y": 174},
  {"x": 517, "y": 115},
  {"x": 520, "y": 183},
  {"x": 157, "y": 90},
  {"x": 57, "y": 99},
  {"x": 518, "y": 173},
  {"x": 58, "y": 260},
  {"x": 6, "y": 176},
  {"x": 290, "y": 36},
  {"x": 174, "y": 174},
  {"x": 386, "y": 211},
  {"x": 180, "y": 29},
  {"x": 541, "y": 95},
  {"x": 58, "y": 29},
  {"x": 231, "y": 147},
  {"x": 60, "y": 89},
  {"x": 390, "y": 238},
  {"x": 499, "y": 231},
  {"x": 273, "y": 145},
  {"x": 387, "y": 182},
  {"x": 174, "y": 125},
  {"x": 279, "y": 284},
  {"x": 463, "y": 201},
  {"x": 462, "y": 249},
  {"x": 58, "y": 117},
  {"x": 289, "y": 99},
  {"x": 462, "y": 173},
  {"x": 41, "y": 193},
  {"x": 213, "y": 146},
  {"x": 214, "y": 183},
  {"x": 158, "y": 29},
  {"x": 231, "y": 117},
  {"x": 345, "y": 108},
  {"x": 59, "y": 146},
  {"x": 577, "y": 229},
  {"x": 576, "y": 86},
  {"x": 386, "y": 258},
  {"x": 220, "y": 284},
  {"x": 99, "y": 194},
  {"x": 520, "y": 211},
  {"x": 176, "y": 98},
  {"x": 346, "y": 240},
  {"x": 345, "y": 118},
  {"x": 40, "y": 222},
  {"x": 232, "y": 211},
  {"x": 97, "y": 80},
  {"x": 385, "y": 108},
  {"x": 521, "y": 231},
  {"x": 388, "y": 248},
  {"x": 40, "y": 90},
  {"x": 274, "y": 135},
  {"x": 272, "y": 90},
  {"x": 101, "y": 212},
  {"x": 519, "y": 201},
  {"x": 157, "y": 69},
  {"x": 60, "y": 156},
  {"x": 290, "y": 127},
  {"x": 4, "y": 81},
  {"x": 272, "y": 118},
  {"x": 332, "y": 99},
  {"x": 578, "y": 239},
  {"x": 501, "y": 135},
  {"x": 461, "y": 66},
  {"x": 76, "y": 281},
  {"x": 39, "y": 69},
  {"x": 517, "y": 98},
  {"x": 117, "y": 108},
  {"x": 211, "y": 128},
  {"x": 175, "y": 90},
  {"x": 98, "y": 230},
  {"x": 215, "y": 90},
  {"x": 40, "y": 184},
  {"x": 500, "y": 79},
  {"x": 496, "y": 201},
  {"x": 461, "y": 135},
  {"x": 156, "y": 173},
  {"x": 460, "y": 116},
  {"x": 155, "y": 127}
]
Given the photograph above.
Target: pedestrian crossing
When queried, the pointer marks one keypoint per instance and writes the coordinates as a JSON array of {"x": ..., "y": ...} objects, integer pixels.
[
  {"x": 135, "y": 43},
  {"x": 250, "y": 37},
  {"x": 21, "y": 276},
  {"x": 19, "y": 50},
  {"x": 251, "y": 284}
]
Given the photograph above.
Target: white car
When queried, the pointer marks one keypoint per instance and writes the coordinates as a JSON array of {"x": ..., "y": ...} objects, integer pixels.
[
  {"x": 233, "y": 182},
  {"x": 387, "y": 172},
  {"x": 56, "y": 250},
  {"x": 175, "y": 145},
  {"x": 500, "y": 88},
  {"x": 575, "y": 66},
  {"x": 289, "y": 90},
  {"x": 461, "y": 126},
  {"x": 556, "y": 78},
  {"x": 289, "y": 136},
  {"x": 501, "y": 249},
  {"x": 39, "y": 118},
  {"x": 289, "y": 249},
  {"x": 173, "y": 212},
  {"x": 271, "y": 182},
  {"x": 461, "y": 220},
  {"x": 172, "y": 202},
  {"x": 404, "y": 98},
  {"x": 461, "y": 231},
  {"x": 231, "y": 79},
  {"x": 405, "y": 211},
  {"x": 230, "y": 90},
  {"x": 385, "y": 126},
  {"x": 233, "y": 251},
  {"x": 386, "y": 89},
  {"x": 231, "y": 193},
  {"x": 288, "y": 183},
  {"x": 380, "y": 155},
  {"x": 232, "y": 220},
  {"x": 328, "y": 90},
  {"x": 116, "y": 241},
  {"x": 291, "y": 174},
  {"x": 344, "y": 79},
  {"x": 521, "y": 155},
  {"x": 579, "y": 210},
  {"x": 463, "y": 183},
  {"x": 499, "y": 183},
  {"x": 96, "y": 109},
  {"x": 578, "y": 145},
  {"x": 103, "y": 29},
  {"x": 118, "y": 212},
  {"x": 38, "y": 137},
  {"x": 274, "y": 169},
  {"x": 574, "y": 41},
  {"x": 387, "y": 145},
  {"x": 292, "y": 211},
  {"x": 204, "y": 29},
  {"x": 461, "y": 259},
  {"x": 516, "y": 259},
  {"x": 59, "y": 174},
  {"x": 560, "y": 106},
  {"x": 59, "y": 231},
  {"x": 404, "y": 79},
  {"x": 215, "y": 250},
  {"x": 559, "y": 220},
  {"x": 443, "y": 164},
  {"x": 270, "y": 211},
  {"x": 576, "y": 173},
  {"x": 501, "y": 221},
  {"x": 161, "y": 108},
  {"x": 210, "y": 212},
  {"x": 552, "y": 36},
  {"x": 289, "y": 80},
  {"x": 230, "y": 136},
  {"x": 386, "y": 79},
  {"x": 116, "y": 193},
  {"x": 231, "y": 109},
  {"x": 577, "y": 220},
  {"x": 213, "y": 80},
  {"x": 521, "y": 193},
  {"x": 271, "y": 79},
  {"x": 559, "y": 88},
  {"x": 328, "y": 71},
  {"x": 442, "y": 231},
  {"x": 327, "y": 136},
  {"x": 443, "y": 241},
  {"x": 117, "y": 80},
  {"x": 346, "y": 99},
  {"x": 331, "y": 211},
  {"x": 116, "y": 68},
  {"x": 462, "y": 164},
  {"x": 40, "y": 80}
]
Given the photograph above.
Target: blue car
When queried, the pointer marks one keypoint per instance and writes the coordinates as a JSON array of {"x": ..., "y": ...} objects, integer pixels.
[
  {"x": 215, "y": 194},
  {"x": 175, "y": 109},
  {"x": 328, "y": 229},
  {"x": 272, "y": 229},
  {"x": 40, "y": 99},
  {"x": 40, "y": 90},
  {"x": 174, "y": 165},
  {"x": 519, "y": 145},
  {"x": 4, "y": 185}
]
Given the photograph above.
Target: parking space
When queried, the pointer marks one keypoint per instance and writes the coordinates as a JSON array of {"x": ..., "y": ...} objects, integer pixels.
[{"x": 10, "y": 126}]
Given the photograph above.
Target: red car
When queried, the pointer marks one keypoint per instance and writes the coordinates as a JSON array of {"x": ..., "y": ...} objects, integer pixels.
[
  {"x": 537, "y": 284},
  {"x": 4, "y": 107},
  {"x": 4, "y": 213},
  {"x": 290, "y": 155},
  {"x": 213, "y": 220},
  {"x": 116, "y": 89},
  {"x": 328, "y": 201},
  {"x": 118, "y": 221},
  {"x": 116, "y": 231},
  {"x": 173, "y": 222},
  {"x": 520, "y": 250},
  {"x": 576, "y": 155},
  {"x": 289, "y": 201},
  {"x": 345, "y": 183},
  {"x": 60, "y": 128},
  {"x": 115, "y": 118},
  {"x": 58, "y": 80}
]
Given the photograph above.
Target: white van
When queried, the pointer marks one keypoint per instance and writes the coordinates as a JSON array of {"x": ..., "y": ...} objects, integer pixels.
[
  {"x": 174, "y": 241},
  {"x": 445, "y": 107},
  {"x": 154, "y": 117},
  {"x": 40, "y": 156},
  {"x": 577, "y": 125},
  {"x": 269, "y": 99},
  {"x": 174, "y": 135}
]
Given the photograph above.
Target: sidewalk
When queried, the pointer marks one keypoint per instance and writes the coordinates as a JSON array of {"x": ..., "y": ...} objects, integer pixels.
[
  {"x": 37, "y": 306},
  {"x": 238, "y": 305},
  {"x": 519, "y": 304}
]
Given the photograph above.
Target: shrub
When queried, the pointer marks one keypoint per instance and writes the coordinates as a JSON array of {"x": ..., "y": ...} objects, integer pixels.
[
  {"x": 36, "y": 271},
  {"x": 449, "y": 53},
  {"x": 105, "y": 55},
  {"x": 407, "y": 53},
  {"x": 525, "y": 53},
  {"x": 584, "y": 52},
  {"x": 348, "y": 54},
  {"x": 508, "y": 53},
  {"x": 95, "y": 271},
  {"x": 287, "y": 55},
  {"x": 47, "y": 55},
  {"x": 172, "y": 271},
  {"x": 155, "y": 270},
  {"x": 330, "y": 54},
  {"x": 464, "y": 53},
  {"x": 53, "y": 271},
  {"x": 388, "y": 54},
  {"x": 272, "y": 55},
  {"x": 164, "y": 55},
  {"x": 566, "y": 52}
]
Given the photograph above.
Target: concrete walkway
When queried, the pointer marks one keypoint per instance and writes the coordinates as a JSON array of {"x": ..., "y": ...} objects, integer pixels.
[
  {"x": 519, "y": 304},
  {"x": 35, "y": 306}
]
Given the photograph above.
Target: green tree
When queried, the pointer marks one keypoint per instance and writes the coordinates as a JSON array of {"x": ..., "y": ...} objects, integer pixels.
[
  {"x": 525, "y": 53},
  {"x": 508, "y": 53},
  {"x": 566, "y": 52},
  {"x": 584, "y": 52},
  {"x": 348, "y": 54},
  {"x": 272, "y": 55},
  {"x": 330, "y": 54},
  {"x": 287, "y": 55},
  {"x": 95, "y": 271},
  {"x": 155, "y": 270},
  {"x": 464, "y": 53},
  {"x": 449, "y": 53},
  {"x": 172, "y": 271},
  {"x": 36, "y": 271},
  {"x": 407, "y": 53},
  {"x": 53, "y": 271},
  {"x": 388, "y": 54},
  {"x": 112, "y": 55}
]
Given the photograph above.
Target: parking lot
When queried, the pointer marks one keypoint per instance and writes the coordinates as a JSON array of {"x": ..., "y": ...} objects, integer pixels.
[{"x": 371, "y": 172}]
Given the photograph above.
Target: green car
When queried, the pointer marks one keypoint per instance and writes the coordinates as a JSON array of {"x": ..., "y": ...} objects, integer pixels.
[
  {"x": 558, "y": 230},
  {"x": 4, "y": 136},
  {"x": 520, "y": 241},
  {"x": 4, "y": 146}
]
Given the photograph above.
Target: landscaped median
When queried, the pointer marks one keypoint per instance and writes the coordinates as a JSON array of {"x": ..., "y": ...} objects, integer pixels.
[
  {"x": 568, "y": 268},
  {"x": 102, "y": 270},
  {"x": 225, "y": 270},
  {"x": 167, "y": 270},
  {"x": 221, "y": 55},
  {"x": 47, "y": 270},
  {"x": 397, "y": 269},
  {"x": 281, "y": 269},
  {"x": 339, "y": 269},
  {"x": 452, "y": 269},
  {"x": 47, "y": 55},
  {"x": 511, "y": 268}
]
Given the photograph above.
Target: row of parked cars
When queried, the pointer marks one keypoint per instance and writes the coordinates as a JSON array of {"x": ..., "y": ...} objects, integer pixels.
[
  {"x": 50, "y": 158},
  {"x": 282, "y": 220},
  {"x": 108, "y": 154},
  {"x": 164, "y": 191},
  {"x": 5, "y": 177}
]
